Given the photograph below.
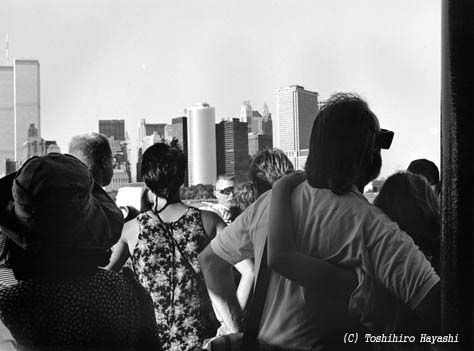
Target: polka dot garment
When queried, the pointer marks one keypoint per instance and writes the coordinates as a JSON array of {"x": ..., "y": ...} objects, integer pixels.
[{"x": 102, "y": 311}]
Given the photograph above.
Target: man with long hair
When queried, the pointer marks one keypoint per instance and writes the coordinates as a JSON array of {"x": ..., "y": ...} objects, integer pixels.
[{"x": 333, "y": 221}]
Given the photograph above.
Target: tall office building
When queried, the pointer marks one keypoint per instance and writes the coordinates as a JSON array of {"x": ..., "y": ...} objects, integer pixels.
[
  {"x": 232, "y": 149},
  {"x": 113, "y": 128},
  {"x": 296, "y": 110},
  {"x": 34, "y": 145},
  {"x": 179, "y": 131},
  {"x": 27, "y": 101},
  {"x": 259, "y": 142},
  {"x": 19, "y": 108},
  {"x": 266, "y": 111},
  {"x": 7, "y": 117},
  {"x": 246, "y": 111},
  {"x": 149, "y": 129},
  {"x": 201, "y": 144},
  {"x": 255, "y": 124},
  {"x": 267, "y": 124},
  {"x": 168, "y": 132}
]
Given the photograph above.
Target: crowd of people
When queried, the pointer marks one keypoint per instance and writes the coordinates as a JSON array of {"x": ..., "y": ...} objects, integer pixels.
[{"x": 295, "y": 260}]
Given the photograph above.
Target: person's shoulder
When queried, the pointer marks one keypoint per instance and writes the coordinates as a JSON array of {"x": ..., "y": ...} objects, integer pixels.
[
  {"x": 211, "y": 222},
  {"x": 132, "y": 224},
  {"x": 209, "y": 214},
  {"x": 19, "y": 294},
  {"x": 261, "y": 203}
]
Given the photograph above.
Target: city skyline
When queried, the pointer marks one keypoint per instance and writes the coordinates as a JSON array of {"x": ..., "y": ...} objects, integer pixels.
[{"x": 144, "y": 60}]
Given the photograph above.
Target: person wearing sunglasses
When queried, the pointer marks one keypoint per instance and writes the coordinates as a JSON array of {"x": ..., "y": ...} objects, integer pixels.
[
  {"x": 332, "y": 222},
  {"x": 224, "y": 191}
]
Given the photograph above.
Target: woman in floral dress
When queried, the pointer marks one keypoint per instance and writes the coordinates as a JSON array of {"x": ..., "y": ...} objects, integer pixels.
[{"x": 164, "y": 244}]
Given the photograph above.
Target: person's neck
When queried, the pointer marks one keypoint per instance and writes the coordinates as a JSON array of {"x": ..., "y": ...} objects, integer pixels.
[{"x": 173, "y": 210}]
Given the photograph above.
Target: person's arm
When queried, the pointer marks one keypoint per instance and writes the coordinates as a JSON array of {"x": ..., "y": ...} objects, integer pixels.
[
  {"x": 316, "y": 275},
  {"x": 121, "y": 250},
  {"x": 220, "y": 284},
  {"x": 213, "y": 224},
  {"x": 403, "y": 270},
  {"x": 246, "y": 270},
  {"x": 429, "y": 310}
]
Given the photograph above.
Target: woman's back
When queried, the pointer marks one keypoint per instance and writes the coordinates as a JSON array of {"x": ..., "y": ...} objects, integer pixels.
[
  {"x": 104, "y": 310},
  {"x": 165, "y": 262}
]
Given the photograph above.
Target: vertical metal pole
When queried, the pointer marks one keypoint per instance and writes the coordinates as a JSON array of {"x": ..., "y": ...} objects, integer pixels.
[{"x": 457, "y": 165}]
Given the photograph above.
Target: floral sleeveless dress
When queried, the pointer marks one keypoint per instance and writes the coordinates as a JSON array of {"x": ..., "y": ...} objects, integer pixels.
[{"x": 165, "y": 262}]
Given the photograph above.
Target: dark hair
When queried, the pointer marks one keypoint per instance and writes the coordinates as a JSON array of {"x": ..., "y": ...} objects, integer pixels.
[
  {"x": 163, "y": 167},
  {"x": 343, "y": 145},
  {"x": 427, "y": 169},
  {"x": 267, "y": 167},
  {"x": 94, "y": 146},
  {"x": 410, "y": 202}
]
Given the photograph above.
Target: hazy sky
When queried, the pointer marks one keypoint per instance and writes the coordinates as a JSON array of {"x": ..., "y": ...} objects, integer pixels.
[{"x": 151, "y": 59}]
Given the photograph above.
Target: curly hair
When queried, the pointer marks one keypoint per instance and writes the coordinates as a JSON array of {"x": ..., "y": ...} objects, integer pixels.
[
  {"x": 343, "y": 151},
  {"x": 267, "y": 167}
]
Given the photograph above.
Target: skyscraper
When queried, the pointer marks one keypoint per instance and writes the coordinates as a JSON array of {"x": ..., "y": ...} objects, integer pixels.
[
  {"x": 113, "y": 128},
  {"x": 179, "y": 130},
  {"x": 27, "y": 101},
  {"x": 7, "y": 117},
  {"x": 34, "y": 145},
  {"x": 259, "y": 142},
  {"x": 159, "y": 128},
  {"x": 232, "y": 148},
  {"x": 267, "y": 124},
  {"x": 246, "y": 111},
  {"x": 201, "y": 144},
  {"x": 168, "y": 132},
  {"x": 296, "y": 110},
  {"x": 256, "y": 123}
]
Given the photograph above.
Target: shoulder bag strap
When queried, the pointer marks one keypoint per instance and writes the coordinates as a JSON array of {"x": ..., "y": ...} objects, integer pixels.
[{"x": 254, "y": 314}]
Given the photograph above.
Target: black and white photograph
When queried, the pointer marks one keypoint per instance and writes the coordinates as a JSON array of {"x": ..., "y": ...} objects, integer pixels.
[{"x": 262, "y": 175}]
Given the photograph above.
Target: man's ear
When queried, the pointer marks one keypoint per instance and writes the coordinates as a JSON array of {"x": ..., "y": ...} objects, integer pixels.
[{"x": 104, "y": 162}]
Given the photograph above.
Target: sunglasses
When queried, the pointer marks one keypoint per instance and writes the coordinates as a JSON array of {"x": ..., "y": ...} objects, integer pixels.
[
  {"x": 384, "y": 139},
  {"x": 226, "y": 191}
]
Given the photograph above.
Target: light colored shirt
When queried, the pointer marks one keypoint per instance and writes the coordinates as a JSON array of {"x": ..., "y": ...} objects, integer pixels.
[
  {"x": 340, "y": 229},
  {"x": 221, "y": 210}
]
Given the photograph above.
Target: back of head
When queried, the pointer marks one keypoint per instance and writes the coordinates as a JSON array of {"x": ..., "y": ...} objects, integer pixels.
[
  {"x": 93, "y": 149},
  {"x": 343, "y": 150},
  {"x": 425, "y": 168},
  {"x": 62, "y": 216},
  {"x": 163, "y": 167},
  {"x": 410, "y": 202},
  {"x": 267, "y": 167}
]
